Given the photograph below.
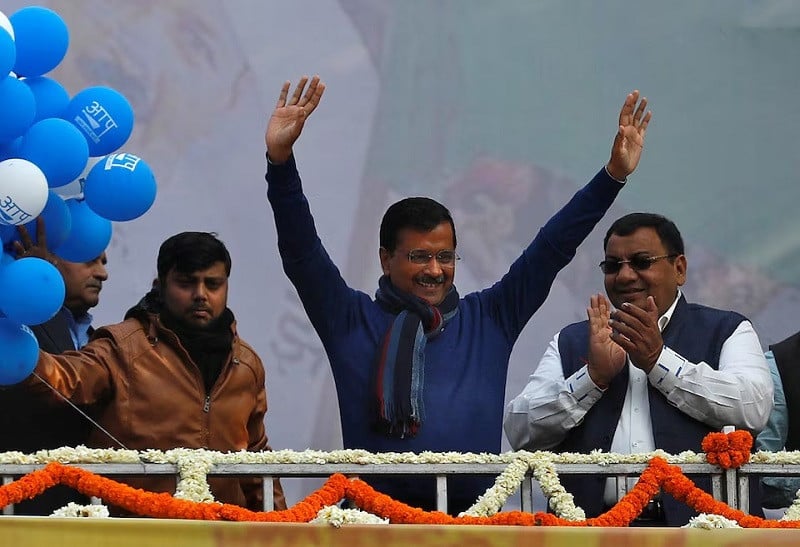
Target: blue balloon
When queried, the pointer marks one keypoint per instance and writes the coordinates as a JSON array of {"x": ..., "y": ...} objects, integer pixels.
[
  {"x": 17, "y": 108},
  {"x": 104, "y": 116},
  {"x": 5, "y": 258},
  {"x": 10, "y": 149},
  {"x": 120, "y": 187},
  {"x": 57, "y": 223},
  {"x": 42, "y": 40},
  {"x": 20, "y": 352},
  {"x": 7, "y": 233},
  {"x": 33, "y": 291},
  {"x": 89, "y": 236},
  {"x": 56, "y": 147},
  {"x": 8, "y": 52},
  {"x": 51, "y": 97}
]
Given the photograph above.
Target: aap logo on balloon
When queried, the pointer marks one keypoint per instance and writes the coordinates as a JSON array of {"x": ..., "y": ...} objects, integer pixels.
[
  {"x": 57, "y": 224},
  {"x": 23, "y": 191},
  {"x": 120, "y": 187},
  {"x": 104, "y": 116}
]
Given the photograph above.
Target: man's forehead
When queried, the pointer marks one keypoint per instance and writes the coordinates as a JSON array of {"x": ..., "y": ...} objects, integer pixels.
[
  {"x": 215, "y": 272},
  {"x": 646, "y": 236},
  {"x": 200, "y": 275}
]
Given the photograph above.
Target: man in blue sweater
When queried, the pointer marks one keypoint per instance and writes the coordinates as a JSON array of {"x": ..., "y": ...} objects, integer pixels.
[
  {"x": 657, "y": 372},
  {"x": 419, "y": 367}
]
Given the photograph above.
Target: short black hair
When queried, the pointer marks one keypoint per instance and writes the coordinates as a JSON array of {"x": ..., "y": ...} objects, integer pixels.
[
  {"x": 418, "y": 213},
  {"x": 190, "y": 252},
  {"x": 667, "y": 232}
]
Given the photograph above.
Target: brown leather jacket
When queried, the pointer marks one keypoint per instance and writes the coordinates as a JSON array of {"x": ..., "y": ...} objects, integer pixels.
[{"x": 151, "y": 395}]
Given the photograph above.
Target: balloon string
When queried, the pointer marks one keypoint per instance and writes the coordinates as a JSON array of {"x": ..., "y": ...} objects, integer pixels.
[{"x": 70, "y": 403}]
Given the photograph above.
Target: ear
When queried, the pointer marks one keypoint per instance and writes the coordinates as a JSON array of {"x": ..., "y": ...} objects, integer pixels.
[
  {"x": 384, "y": 256},
  {"x": 680, "y": 269}
]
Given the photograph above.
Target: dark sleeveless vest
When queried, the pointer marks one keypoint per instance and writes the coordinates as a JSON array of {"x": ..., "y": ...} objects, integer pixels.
[
  {"x": 787, "y": 357},
  {"x": 695, "y": 332}
]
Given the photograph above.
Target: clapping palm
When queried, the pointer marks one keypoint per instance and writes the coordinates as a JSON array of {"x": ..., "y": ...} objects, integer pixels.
[{"x": 606, "y": 357}]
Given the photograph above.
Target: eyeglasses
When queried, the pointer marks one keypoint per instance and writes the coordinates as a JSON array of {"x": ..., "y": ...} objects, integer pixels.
[
  {"x": 638, "y": 263},
  {"x": 444, "y": 258}
]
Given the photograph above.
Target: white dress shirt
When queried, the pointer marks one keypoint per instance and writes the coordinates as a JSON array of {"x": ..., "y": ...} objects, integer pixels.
[{"x": 738, "y": 393}]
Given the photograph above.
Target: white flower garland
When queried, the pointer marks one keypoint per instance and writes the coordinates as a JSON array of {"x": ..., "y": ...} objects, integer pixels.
[
  {"x": 544, "y": 471},
  {"x": 336, "y": 516},
  {"x": 193, "y": 469},
  {"x": 561, "y": 502},
  {"x": 711, "y": 521},
  {"x": 496, "y": 496},
  {"x": 72, "y": 510},
  {"x": 81, "y": 454},
  {"x": 793, "y": 512}
]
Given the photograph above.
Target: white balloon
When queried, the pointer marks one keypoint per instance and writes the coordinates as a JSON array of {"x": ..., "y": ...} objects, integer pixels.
[
  {"x": 6, "y": 24},
  {"x": 23, "y": 191}
]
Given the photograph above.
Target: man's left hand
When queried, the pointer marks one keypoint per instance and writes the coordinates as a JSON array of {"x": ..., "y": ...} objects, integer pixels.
[{"x": 636, "y": 330}]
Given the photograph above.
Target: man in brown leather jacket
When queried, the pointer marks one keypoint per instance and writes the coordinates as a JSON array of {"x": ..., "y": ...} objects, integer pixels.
[{"x": 174, "y": 373}]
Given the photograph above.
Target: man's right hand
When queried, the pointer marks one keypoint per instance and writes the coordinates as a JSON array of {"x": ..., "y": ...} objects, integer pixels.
[
  {"x": 288, "y": 118},
  {"x": 606, "y": 357}
]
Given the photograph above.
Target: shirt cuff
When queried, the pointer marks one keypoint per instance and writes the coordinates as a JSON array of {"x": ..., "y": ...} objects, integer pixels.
[
  {"x": 289, "y": 161},
  {"x": 585, "y": 391},
  {"x": 612, "y": 178},
  {"x": 667, "y": 370}
]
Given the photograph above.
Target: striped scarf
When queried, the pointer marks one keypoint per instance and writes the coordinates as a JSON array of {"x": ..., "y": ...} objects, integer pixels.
[{"x": 400, "y": 363}]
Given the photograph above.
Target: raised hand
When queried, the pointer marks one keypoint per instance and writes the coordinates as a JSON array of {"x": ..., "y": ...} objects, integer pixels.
[
  {"x": 629, "y": 141},
  {"x": 289, "y": 116},
  {"x": 606, "y": 357},
  {"x": 25, "y": 247},
  {"x": 636, "y": 331}
]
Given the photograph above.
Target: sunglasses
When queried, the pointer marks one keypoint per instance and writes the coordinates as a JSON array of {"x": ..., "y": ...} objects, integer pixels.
[{"x": 638, "y": 263}]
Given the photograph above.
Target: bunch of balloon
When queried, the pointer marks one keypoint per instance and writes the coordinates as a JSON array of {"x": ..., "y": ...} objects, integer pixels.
[{"x": 46, "y": 140}]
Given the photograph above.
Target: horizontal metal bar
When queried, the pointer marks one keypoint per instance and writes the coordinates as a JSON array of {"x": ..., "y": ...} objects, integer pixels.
[{"x": 769, "y": 468}]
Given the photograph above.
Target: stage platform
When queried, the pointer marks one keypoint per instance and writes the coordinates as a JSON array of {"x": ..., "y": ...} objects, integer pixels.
[{"x": 135, "y": 532}]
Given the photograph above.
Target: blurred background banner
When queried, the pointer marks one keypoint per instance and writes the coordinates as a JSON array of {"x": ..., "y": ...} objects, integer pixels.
[{"x": 499, "y": 109}]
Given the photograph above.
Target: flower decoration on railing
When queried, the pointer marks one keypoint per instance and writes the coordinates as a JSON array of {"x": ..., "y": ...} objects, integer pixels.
[
  {"x": 319, "y": 505},
  {"x": 728, "y": 450}
]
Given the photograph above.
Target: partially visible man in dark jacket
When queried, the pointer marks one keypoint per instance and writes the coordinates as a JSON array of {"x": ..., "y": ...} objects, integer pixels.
[{"x": 30, "y": 424}]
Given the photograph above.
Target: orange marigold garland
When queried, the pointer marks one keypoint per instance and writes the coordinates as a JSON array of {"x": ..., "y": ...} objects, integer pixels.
[
  {"x": 27, "y": 487},
  {"x": 163, "y": 505},
  {"x": 731, "y": 450}
]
